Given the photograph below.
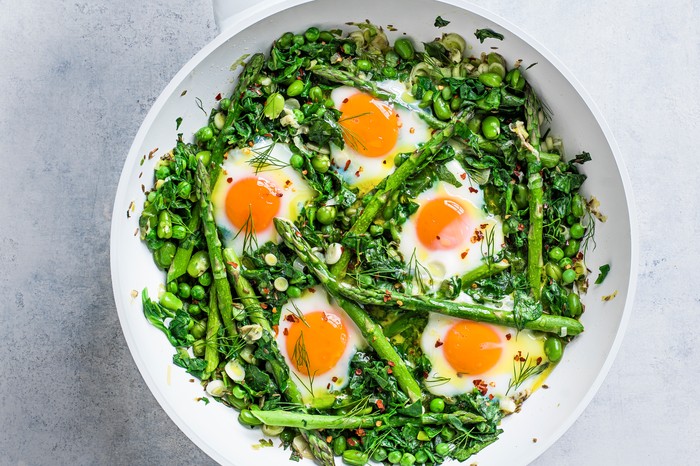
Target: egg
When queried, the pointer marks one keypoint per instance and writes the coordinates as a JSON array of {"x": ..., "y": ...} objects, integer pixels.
[
  {"x": 317, "y": 341},
  {"x": 374, "y": 131},
  {"x": 466, "y": 354},
  {"x": 450, "y": 233},
  {"x": 256, "y": 185}
]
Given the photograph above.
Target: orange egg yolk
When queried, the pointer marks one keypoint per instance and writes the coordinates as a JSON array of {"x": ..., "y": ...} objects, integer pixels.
[
  {"x": 442, "y": 223},
  {"x": 252, "y": 203},
  {"x": 316, "y": 344},
  {"x": 472, "y": 347},
  {"x": 370, "y": 126}
]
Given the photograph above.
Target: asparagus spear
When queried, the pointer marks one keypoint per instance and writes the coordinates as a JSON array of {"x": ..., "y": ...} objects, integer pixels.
[
  {"x": 218, "y": 270},
  {"x": 343, "y": 291},
  {"x": 535, "y": 184},
  {"x": 319, "y": 421},
  {"x": 244, "y": 290},
  {"x": 178, "y": 267},
  {"x": 370, "y": 330},
  {"x": 394, "y": 181},
  {"x": 348, "y": 79},
  {"x": 251, "y": 69},
  {"x": 211, "y": 348},
  {"x": 483, "y": 271}
]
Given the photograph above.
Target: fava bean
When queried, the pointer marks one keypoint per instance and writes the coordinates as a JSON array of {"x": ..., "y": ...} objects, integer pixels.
[
  {"x": 490, "y": 79},
  {"x": 573, "y": 302},
  {"x": 442, "y": 109},
  {"x": 553, "y": 348},
  {"x": 404, "y": 48},
  {"x": 340, "y": 444},
  {"x": 295, "y": 88},
  {"x": 355, "y": 457},
  {"x": 491, "y": 127}
]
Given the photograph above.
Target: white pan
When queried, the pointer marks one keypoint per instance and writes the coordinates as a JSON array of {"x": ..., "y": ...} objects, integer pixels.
[{"x": 548, "y": 413}]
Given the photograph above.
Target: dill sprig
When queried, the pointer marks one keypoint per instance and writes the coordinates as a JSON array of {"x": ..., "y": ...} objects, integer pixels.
[
  {"x": 301, "y": 359},
  {"x": 264, "y": 161},
  {"x": 523, "y": 368}
]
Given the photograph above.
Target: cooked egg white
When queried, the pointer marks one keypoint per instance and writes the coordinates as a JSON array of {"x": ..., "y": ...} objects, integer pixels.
[
  {"x": 450, "y": 233},
  {"x": 374, "y": 131},
  {"x": 257, "y": 184},
  {"x": 467, "y": 354},
  {"x": 317, "y": 340}
]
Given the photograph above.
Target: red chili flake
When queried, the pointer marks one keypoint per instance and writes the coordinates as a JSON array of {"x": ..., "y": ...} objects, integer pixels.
[
  {"x": 288, "y": 182},
  {"x": 389, "y": 371},
  {"x": 358, "y": 371},
  {"x": 412, "y": 130},
  {"x": 250, "y": 143},
  {"x": 291, "y": 318},
  {"x": 347, "y": 165},
  {"x": 279, "y": 194},
  {"x": 352, "y": 442},
  {"x": 426, "y": 374},
  {"x": 384, "y": 161},
  {"x": 490, "y": 396},
  {"x": 266, "y": 291},
  {"x": 508, "y": 336},
  {"x": 267, "y": 135},
  {"x": 313, "y": 290},
  {"x": 264, "y": 305},
  {"x": 464, "y": 254},
  {"x": 345, "y": 100},
  {"x": 463, "y": 176},
  {"x": 305, "y": 172},
  {"x": 285, "y": 332},
  {"x": 328, "y": 386},
  {"x": 478, "y": 236},
  {"x": 334, "y": 379},
  {"x": 325, "y": 317},
  {"x": 360, "y": 432},
  {"x": 329, "y": 439},
  {"x": 539, "y": 360},
  {"x": 229, "y": 180},
  {"x": 391, "y": 363},
  {"x": 521, "y": 227},
  {"x": 380, "y": 405},
  {"x": 387, "y": 295},
  {"x": 438, "y": 343},
  {"x": 483, "y": 226},
  {"x": 437, "y": 237},
  {"x": 218, "y": 96},
  {"x": 233, "y": 264},
  {"x": 473, "y": 190},
  {"x": 481, "y": 386}
]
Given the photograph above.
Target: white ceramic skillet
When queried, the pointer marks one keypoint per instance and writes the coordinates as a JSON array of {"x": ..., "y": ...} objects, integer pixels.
[{"x": 548, "y": 413}]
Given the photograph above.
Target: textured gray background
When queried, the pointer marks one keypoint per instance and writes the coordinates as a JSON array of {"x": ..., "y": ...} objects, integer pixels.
[{"x": 76, "y": 80}]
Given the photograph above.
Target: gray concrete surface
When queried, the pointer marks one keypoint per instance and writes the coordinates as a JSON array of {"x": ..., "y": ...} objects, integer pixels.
[{"x": 76, "y": 80}]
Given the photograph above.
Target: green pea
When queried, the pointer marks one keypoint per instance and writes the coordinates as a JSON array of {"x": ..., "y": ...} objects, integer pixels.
[
  {"x": 328, "y": 104},
  {"x": 363, "y": 65},
  {"x": 172, "y": 287},
  {"x": 197, "y": 292},
  {"x": 407, "y": 459},
  {"x": 169, "y": 301},
  {"x": 571, "y": 219},
  {"x": 247, "y": 419},
  {"x": 404, "y": 48},
  {"x": 295, "y": 88},
  {"x": 394, "y": 457},
  {"x": 165, "y": 254},
  {"x": 204, "y": 156},
  {"x": 316, "y": 94},
  {"x": 571, "y": 249},
  {"x": 198, "y": 347},
  {"x": 553, "y": 348},
  {"x": 568, "y": 276},
  {"x": 184, "y": 189},
  {"x": 491, "y": 127},
  {"x": 446, "y": 93},
  {"x": 184, "y": 290},
  {"x": 179, "y": 232},
  {"x": 326, "y": 36},
  {"x": 437, "y": 405},
  {"x": 326, "y": 214},
  {"x": 204, "y": 134},
  {"x": 391, "y": 58},
  {"x": 490, "y": 79},
  {"x": 376, "y": 230},
  {"x": 355, "y": 457},
  {"x": 205, "y": 279},
  {"x": 285, "y": 41},
  {"x": 553, "y": 271},
  {"x": 556, "y": 253},
  {"x": 380, "y": 454},
  {"x": 421, "y": 457},
  {"x": 298, "y": 39},
  {"x": 443, "y": 449},
  {"x": 577, "y": 208},
  {"x": 321, "y": 163},
  {"x": 194, "y": 309},
  {"x": 198, "y": 264},
  {"x": 389, "y": 72},
  {"x": 455, "y": 103},
  {"x": 296, "y": 161},
  {"x": 442, "y": 109},
  {"x": 339, "y": 445},
  {"x": 312, "y": 34},
  {"x": 574, "y": 305},
  {"x": 225, "y": 104},
  {"x": 293, "y": 292},
  {"x": 577, "y": 231},
  {"x": 199, "y": 329},
  {"x": 162, "y": 173}
]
